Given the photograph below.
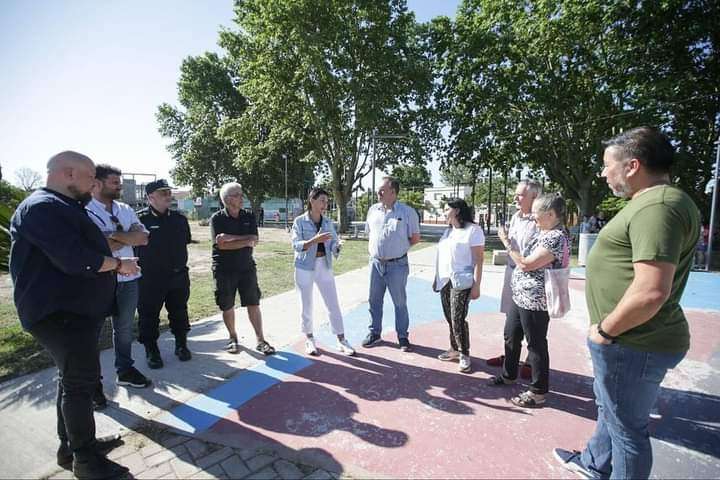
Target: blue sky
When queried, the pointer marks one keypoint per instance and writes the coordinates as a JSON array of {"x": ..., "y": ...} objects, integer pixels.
[{"x": 88, "y": 75}]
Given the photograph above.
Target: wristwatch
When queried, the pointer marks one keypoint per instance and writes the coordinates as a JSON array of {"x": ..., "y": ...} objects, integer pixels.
[{"x": 604, "y": 334}]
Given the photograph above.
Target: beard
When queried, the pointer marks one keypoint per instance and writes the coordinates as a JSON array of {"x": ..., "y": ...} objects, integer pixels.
[
  {"x": 622, "y": 190},
  {"x": 82, "y": 197},
  {"x": 112, "y": 194}
]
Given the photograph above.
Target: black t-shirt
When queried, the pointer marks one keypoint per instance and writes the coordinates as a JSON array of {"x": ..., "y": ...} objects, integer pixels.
[{"x": 232, "y": 260}]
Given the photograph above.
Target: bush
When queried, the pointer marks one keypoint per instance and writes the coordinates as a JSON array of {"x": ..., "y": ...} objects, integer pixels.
[{"x": 10, "y": 198}]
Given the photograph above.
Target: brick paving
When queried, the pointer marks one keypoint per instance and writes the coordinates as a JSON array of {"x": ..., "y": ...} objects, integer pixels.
[{"x": 155, "y": 453}]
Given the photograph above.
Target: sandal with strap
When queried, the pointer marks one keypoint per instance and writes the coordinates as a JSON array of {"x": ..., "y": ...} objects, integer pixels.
[
  {"x": 529, "y": 400},
  {"x": 265, "y": 348},
  {"x": 499, "y": 381}
]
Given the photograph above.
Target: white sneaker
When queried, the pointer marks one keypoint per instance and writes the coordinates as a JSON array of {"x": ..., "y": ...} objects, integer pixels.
[
  {"x": 465, "y": 363},
  {"x": 344, "y": 347},
  {"x": 449, "y": 356},
  {"x": 310, "y": 347}
]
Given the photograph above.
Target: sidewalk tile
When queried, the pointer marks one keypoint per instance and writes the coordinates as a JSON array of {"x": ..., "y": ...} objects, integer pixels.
[
  {"x": 156, "y": 472},
  {"x": 150, "y": 449},
  {"x": 266, "y": 474},
  {"x": 162, "y": 457},
  {"x": 211, "y": 473},
  {"x": 235, "y": 467},
  {"x": 183, "y": 466},
  {"x": 196, "y": 448},
  {"x": 134, "y": 462},
  {"x": 122, "y": 451},
  {"x": 319, "y": 475},
  {"x": 287, "y": 470},
  {"x": 259, "y": 461},
  {"x": 213, "y": 458},
  {"x": 172, "y": 440},
  {"x": 62, "y": 475}
]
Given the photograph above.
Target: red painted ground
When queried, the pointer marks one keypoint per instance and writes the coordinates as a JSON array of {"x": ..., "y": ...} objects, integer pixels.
[{"x": 409, "y": 415}]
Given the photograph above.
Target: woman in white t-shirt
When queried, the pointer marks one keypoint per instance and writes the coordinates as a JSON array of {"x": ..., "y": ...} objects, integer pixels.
[{"x": 458, "y": 271}]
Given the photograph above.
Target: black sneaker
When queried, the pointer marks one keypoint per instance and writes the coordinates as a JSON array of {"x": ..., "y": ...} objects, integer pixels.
[
  {"x": 102, "y": 446},
  {"x": 570, "y": 460},
  {"x": 371, "y": 340},
  {"x": 154, "y": 360},
  {"x": 133, "y": 378},
  {"x": 404, "y": 344},
  {"x": 97, "y": 466},
  {"x": 183, "y": 353}
]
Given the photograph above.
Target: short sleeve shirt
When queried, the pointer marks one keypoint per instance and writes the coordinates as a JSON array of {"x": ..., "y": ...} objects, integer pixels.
[
  {"x": 455, "y": 251},
  {"x": 522, "y": 231},
  {"x": 389, "y": 231},
  {"x": 232, "y": 260},
  {"x": 127, "y": 219},
  {"x": 528, "y": 288},
  {"x": 660, "y": 224}
]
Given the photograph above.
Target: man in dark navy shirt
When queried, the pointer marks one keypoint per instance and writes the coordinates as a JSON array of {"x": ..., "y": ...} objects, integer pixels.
[
  {"x": 64, "y": 282},
  {"x": 165, "y": 277},
  {"x": 234, "y": 233}
]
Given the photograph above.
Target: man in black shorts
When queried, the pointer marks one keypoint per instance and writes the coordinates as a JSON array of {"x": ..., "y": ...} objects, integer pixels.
[{"x": 234, "y": 234}]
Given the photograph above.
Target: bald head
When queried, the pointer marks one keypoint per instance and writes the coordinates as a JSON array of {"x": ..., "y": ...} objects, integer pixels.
[
  {"x": 72, "y": 174},
  {"x": 67, "y": 159}
]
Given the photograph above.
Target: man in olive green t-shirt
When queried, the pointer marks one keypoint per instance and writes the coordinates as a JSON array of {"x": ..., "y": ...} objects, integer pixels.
[{"x": 636, "y": 274}]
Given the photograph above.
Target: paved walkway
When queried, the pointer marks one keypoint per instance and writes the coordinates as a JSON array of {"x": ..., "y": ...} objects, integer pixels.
[{"x": 383, "y": 413}]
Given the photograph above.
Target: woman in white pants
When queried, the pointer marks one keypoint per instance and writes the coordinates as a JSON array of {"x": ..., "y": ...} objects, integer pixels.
[{"x": 316, "y": 244}]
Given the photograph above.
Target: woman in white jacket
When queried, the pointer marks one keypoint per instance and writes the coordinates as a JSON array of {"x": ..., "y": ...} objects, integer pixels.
[
  {"x": 316, "y": 243},
  {"x": 458, "y": 272}
]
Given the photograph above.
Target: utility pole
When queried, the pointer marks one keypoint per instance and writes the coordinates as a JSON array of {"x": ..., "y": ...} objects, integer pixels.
[
  {"x": 286, "y": 190},
  {"x": 714, "y": 181}
]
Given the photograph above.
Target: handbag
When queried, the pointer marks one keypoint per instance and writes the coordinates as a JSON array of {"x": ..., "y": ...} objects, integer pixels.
[{"x": 557, "y": 292}]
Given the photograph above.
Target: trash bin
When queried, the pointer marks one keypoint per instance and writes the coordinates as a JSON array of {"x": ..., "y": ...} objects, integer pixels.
[{"x": 586, "y": 242}]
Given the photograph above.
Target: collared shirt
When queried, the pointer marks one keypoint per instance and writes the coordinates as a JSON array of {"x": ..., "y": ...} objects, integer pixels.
[
  {"x": 166, "y": 251},
  {"x": 127, "y": 219},
  {"x": 521, "y": 232},
  {"x": 389, "y": 231},
  {"x": 55, "y": 256},
  {"x": 240, "y": 259}
]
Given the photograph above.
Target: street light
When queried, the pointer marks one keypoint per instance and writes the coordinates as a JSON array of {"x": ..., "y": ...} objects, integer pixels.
[{"x": 374, "y": 137}]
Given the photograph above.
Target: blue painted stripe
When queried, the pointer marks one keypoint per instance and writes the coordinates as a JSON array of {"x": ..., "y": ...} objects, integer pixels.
[{"x": 204, "y": 410}]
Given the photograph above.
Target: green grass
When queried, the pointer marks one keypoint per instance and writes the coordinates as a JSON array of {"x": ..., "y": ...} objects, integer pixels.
[{"x": 20, "y": 354}]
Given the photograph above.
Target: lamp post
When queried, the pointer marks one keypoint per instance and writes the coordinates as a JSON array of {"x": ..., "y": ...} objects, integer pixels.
[
  {"x": 714, "y": 181},
  {"x": 374, "y": 137},
  {"x": 286, "y": 190}
]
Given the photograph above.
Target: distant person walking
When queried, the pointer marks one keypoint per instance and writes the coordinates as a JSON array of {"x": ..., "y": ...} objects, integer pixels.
[
  {"x": 392, "y": 228},
  {"x": 316, "y": 243},
  {"x": 64, "y": 281},
  {"x": 636, "y": 274},
  {"x": 458, "y": 273}
]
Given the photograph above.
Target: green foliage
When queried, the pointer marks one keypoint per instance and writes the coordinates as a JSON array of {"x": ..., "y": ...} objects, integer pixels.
[
  {"x": 542, "y": 83},
  {"x": 10, "y": 197},
  {"x": 331, "y": 73},
  {"x": 611, "y": 205},
  {"x": 412, "y": 177}
]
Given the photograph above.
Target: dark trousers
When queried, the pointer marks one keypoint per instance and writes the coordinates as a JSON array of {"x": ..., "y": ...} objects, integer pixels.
[
  {"x": 534, "y": 326},
  {"x": 72, "y": 342},
  {"x": 173, "y": 292},
  {"x": 455, "y": 304}
]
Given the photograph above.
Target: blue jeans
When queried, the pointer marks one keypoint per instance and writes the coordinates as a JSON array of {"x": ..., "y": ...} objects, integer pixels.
[
  {"x": 392, "y": 276},
  {"x": 126, "y": 298},
  {"x": 627, "y": 382}
]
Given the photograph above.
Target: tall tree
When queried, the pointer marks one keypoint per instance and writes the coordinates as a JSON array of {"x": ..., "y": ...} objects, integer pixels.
[
  {"x": 542, "y": 83},
  {"x": 412, "y": 177},
  {"x": 338, "y": 71},
  {"x": 28, "y": 179}
]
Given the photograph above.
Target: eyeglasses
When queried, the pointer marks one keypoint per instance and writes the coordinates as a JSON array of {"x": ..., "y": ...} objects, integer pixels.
[{"x": 116, "y": 221}]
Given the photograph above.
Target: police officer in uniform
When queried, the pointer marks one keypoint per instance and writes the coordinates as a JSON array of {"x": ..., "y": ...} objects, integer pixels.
[{"x": 165, "y": 279}]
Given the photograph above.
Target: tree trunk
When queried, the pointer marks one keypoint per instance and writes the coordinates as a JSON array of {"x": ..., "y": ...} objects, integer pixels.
[{"x": 341, "y": 199}]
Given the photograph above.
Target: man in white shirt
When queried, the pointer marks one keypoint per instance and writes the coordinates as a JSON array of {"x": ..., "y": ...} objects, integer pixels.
[
  {"x": 123, "y": 231},
  {"x": 520, "y": 231}
]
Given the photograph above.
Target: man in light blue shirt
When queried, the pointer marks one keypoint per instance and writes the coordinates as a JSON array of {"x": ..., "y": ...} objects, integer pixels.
[{"x": 392, "y": 228}]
